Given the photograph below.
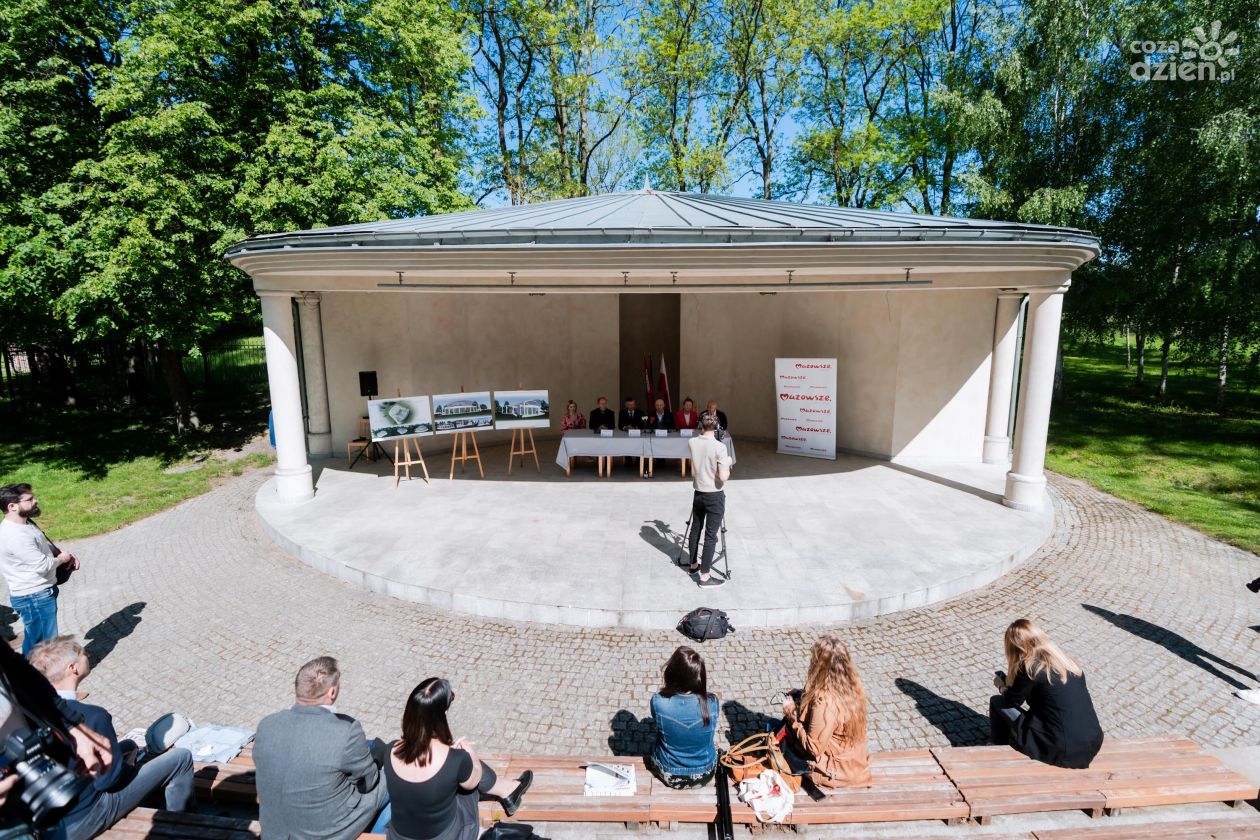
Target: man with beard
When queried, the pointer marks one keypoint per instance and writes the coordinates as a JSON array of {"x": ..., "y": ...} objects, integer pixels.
[{"x": 29, "y": 563}]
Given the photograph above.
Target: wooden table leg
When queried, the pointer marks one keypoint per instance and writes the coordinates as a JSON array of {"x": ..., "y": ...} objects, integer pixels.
[{"x": 569, "y": 469}]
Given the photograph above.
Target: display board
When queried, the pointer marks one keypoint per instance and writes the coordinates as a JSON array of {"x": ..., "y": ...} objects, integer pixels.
[
  {"x": 805, "y": 403},
  {"x": 462, "y": 412},
  {"x": 400, "y": 417},
  {"x": 522, "y": 410}
]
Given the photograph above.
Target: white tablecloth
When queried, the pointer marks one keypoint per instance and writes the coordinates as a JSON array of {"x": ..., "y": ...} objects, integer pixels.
[{"x": 583, "y": 442}]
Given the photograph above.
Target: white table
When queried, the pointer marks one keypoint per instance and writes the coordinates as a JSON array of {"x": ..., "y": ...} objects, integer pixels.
[{"x": 646, "y": 447}]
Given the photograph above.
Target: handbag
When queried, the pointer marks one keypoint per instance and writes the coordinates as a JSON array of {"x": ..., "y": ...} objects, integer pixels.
[
  {"x": 756, "y": 754},
  {"x": 63, "y": 571},
  {"x": 704, "y": 623}
]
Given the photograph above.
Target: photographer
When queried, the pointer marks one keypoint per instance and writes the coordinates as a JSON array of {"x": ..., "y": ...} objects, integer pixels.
[{"x": 26, "y": 701}]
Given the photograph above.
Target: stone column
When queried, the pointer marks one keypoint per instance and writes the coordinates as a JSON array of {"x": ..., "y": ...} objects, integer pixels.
[
  {"x": 318, "y": 426},
  {"x": 1026, "y": 482},
  {"x": 1001, "y": 376},
  {"x": 293, "y": 474}
]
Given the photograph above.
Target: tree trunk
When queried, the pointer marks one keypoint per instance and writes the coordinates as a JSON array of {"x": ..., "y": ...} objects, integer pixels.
[
  {"x": 1056, "y": 392},
  {"x": 1163, "y": 366},
  {"x": 1128, "y": 352},
  {"x": 177, "y": 389},
  {"x": 137, "y": 382},
  {"x": 1140, "y": 341},
  {"x": 1223, "y": 370}
]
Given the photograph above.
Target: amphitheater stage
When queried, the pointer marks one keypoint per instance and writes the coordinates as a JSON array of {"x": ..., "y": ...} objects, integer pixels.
[{"x": 810, "y": 541}]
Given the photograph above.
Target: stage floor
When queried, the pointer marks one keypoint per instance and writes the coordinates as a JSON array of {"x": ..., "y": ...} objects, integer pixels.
[{"x": 809, "y": 540}]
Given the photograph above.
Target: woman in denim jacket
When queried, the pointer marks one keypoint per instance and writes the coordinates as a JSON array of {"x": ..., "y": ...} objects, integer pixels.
[{"x": 686, "y": 720}]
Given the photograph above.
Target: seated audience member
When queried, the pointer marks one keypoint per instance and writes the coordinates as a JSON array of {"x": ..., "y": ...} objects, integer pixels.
[
  {"x": 686, "y": 417},
  {"x": 631, "y": 417},
  {"x": 435, "y": 781},
  {"x": 602, "y": 416},
  {"x": 826, "y": 723},
  {"x": 724, "y": 425},
  {"x": 314, "y": 769},
  {"x": 686, "y": 717},
  {"x": 166, "y": 780},
  {"x": 660, "y": 418},
  {"x": 573, "y": 418},
  {"x": 1060, "y": 726}
]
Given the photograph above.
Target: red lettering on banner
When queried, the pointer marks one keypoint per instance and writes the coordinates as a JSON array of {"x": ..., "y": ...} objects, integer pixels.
[
  {"x": 789, "y": 376},
  {"x": 812, "y": 429},
  {"x": 791, "y": 437},
  {"x": 803, "y": 366},
  {"x": 810, "y": 397}
]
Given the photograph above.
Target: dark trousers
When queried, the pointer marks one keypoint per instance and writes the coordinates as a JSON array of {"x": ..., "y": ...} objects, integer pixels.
[
  {"x": 707, "y": 510},
  {"x": 1001, "y": 719}
]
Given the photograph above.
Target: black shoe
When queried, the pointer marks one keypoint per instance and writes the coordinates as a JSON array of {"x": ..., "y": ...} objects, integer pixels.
[
  {"x": 712, "y": 581},
  {"x": 1254, "y": 586},
  {"x": 513, "y": 800}
]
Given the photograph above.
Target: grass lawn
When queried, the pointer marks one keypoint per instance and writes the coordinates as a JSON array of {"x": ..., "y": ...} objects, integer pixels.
[
  {"x": 95, "y": 471},
  {"x": 1176, "y": 457}
]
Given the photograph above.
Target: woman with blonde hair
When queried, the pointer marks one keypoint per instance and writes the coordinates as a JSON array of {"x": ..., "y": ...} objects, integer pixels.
[
  {"x": 826, "y": 722},
  {"x": 1060, "y": 726}
]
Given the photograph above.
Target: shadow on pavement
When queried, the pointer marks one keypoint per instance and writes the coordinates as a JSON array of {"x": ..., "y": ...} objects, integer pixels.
[
  {"x": 105, "y": 636},
  {"x": 961, "y": 724},
  {"x": 630, "y": 735},
  {"x": 1174, "y": 643}
]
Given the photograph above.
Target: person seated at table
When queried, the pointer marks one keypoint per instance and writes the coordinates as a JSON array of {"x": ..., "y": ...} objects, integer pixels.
[
  {"x": 1060, "y": 726},
  {"x": 602, "y": 416},
  {"x": 660, "y": 419},
  {"x": 686, "y": 717},
  {"x": 631, "y": 417},
  {"x": 826, "y": 722},
  {"x": 686, "y": 417},
  {"x": 434, "y": 780},
  {"x": 573, "y": 418},
  {"x": 724, "y": 425}
]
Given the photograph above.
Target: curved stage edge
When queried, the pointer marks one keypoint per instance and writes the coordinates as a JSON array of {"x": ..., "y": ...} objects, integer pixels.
[{"x": 810, "y": 541}]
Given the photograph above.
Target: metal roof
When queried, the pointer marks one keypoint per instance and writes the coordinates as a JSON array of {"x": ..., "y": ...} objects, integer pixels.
[{"x": 650, "y": 217}]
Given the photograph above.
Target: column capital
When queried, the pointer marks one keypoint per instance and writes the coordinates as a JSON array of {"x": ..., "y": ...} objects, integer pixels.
[
  {"x": 1010, "y": 294},
  {"x": 311, "y": 299},
  {"x": 275, "y": 293}
]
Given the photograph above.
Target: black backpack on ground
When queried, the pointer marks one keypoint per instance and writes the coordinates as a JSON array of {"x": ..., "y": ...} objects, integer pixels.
[{"x": 703, "y": 623}]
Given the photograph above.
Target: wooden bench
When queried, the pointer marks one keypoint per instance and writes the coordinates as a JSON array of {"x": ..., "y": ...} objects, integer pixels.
[
  {"x": 1127, "y": 772},
  {"x": 148, "y": 822},
  {"x": 1235, "y": 825}
]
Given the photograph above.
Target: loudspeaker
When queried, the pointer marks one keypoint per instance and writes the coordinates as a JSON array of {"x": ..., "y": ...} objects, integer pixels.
[{"x": 367, "y": 383}]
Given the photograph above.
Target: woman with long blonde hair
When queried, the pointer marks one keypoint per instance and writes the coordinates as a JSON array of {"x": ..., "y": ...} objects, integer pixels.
[
  {"x": 826, "y": 722},
  {"x": 1060, "y": 726}
]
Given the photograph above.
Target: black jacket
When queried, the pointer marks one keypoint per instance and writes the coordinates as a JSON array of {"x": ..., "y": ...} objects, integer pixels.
[
  {"x": 635, "y": 419},
  {"x": 665, "y": 421},
  {"x": 1060, "y": 726},
  {"x": 601, "y": 419}
]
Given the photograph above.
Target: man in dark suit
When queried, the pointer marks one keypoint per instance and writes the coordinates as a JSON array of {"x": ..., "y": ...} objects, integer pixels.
[
  {"x": 723, "y": 425},
  {"x": 631, "y": 417},
  {"x": 602, "y": 417},
  {"x": 660, "y": 419},
  {"x": 315, "y": 773},
  {"x": 115, "y": 793}
]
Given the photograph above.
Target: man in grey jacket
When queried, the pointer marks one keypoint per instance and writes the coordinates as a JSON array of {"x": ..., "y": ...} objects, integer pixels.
[{"x": 314, "y": 769}]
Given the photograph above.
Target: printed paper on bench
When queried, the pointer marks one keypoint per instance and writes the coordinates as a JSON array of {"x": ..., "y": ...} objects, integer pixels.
[{"x": 609, "y": 780}]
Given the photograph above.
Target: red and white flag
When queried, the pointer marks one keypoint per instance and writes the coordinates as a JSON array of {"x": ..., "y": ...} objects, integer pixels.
[
  {"x": 647, "y": 382},
  {"x": 662, "y": 386}
]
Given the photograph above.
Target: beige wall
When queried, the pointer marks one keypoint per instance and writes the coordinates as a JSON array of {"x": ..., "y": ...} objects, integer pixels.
[
  {"x": 912, "y": 372},
  {"x": 437, "y": 343}
]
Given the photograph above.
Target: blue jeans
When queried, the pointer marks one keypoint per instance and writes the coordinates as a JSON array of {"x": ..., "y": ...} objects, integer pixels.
[{"x": 39, "y": 616}]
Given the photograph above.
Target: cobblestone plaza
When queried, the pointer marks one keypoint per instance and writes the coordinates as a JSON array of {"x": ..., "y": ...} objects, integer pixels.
[{"x": 195, "y": 610}]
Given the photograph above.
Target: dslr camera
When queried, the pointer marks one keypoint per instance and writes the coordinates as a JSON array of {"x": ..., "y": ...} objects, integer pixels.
[{"x": 47, "y": 773}]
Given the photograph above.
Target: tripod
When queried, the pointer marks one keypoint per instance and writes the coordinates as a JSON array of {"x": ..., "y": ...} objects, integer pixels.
[{"x": 686, "y": 535}]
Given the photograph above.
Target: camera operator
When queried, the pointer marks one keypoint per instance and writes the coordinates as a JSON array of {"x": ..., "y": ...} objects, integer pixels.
[{"x": 28, "y": 701}]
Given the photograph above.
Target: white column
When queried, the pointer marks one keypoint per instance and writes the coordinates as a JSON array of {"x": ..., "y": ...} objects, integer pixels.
[
  {"x": 318, "y": 426},
  {"x": 1026, "y": 482},
  {"x": 1001, "y": 376},
  {"x": 293, "y": 474}
]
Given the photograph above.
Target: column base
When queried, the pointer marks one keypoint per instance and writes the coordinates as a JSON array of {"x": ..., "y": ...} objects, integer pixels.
[
  {"x": 997, "y": 450},
  {"x": 295, "y": 485},
  {"x": 1025, "y": 492},
  {"x": 319, "y": 444}
]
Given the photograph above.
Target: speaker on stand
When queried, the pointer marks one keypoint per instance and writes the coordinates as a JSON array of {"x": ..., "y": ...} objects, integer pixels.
[{"x": 368, "y": 388}]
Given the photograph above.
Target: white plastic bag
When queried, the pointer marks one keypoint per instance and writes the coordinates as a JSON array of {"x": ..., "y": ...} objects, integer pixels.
[{"x": 769, "y": 795}]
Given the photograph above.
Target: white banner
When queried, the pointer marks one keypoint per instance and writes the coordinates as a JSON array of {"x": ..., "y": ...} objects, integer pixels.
[{"x": 805, "y": 399}]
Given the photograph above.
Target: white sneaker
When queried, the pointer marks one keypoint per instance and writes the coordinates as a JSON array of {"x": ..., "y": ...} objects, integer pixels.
[{"x": 1251, "y": 695}]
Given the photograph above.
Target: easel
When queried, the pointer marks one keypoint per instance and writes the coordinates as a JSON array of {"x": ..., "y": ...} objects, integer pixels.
[
  {"x": 405, "y": 461},
  {"x": 460, "y": 444},
  {"x": 519, "y": 435}
]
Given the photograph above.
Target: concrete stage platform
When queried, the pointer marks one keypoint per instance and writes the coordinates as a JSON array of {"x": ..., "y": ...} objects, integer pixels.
[{"x": 810, "y": 540}]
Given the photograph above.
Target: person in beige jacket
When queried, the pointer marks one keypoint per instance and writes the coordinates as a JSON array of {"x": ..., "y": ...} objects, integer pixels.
[{"x": 828, "y": 725}]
